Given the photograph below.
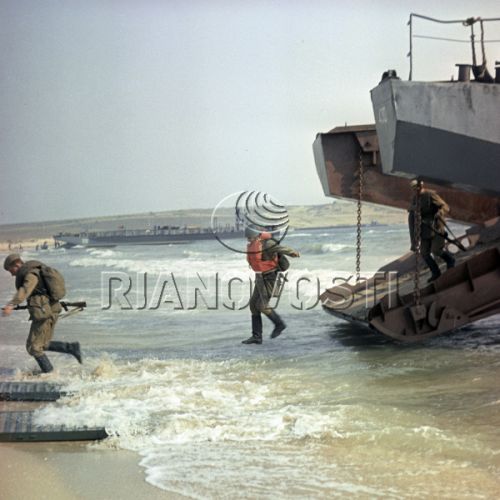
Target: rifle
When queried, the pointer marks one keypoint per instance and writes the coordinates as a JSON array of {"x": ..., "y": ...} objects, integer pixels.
[
  {"x": 445, "y": 235},
  {"x": 77, "y": 307}
]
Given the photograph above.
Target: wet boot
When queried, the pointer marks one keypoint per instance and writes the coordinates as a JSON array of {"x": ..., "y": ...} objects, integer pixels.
[
  {"x": 44, "y": 363},
  {"x": 279, "y": 324},
  {"x": 72, "y": 348},
  {"x": 436, "y": 273},
  {"x": 448, "y": 258},
  {"x": 256, "y": 337}
]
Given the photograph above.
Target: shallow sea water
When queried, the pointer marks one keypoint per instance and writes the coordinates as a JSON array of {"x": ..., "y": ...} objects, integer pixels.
[{"x": 328, "y": 409}]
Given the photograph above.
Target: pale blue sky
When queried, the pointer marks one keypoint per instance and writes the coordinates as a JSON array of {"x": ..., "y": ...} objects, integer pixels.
[{"x": 123, "y": 106}]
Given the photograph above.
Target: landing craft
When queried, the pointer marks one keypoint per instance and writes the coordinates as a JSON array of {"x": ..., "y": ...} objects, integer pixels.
[
  {"x": 160, "y": 235},
  {"x": 448, "y": 135}
]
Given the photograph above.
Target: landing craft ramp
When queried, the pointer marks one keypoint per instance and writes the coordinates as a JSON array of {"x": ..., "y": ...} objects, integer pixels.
[
  {"x": 447, "y": 134},
  {"x": 338, "y": 154},
  {"x": 386, "y": 302},
  {"x": 462, "y": 295}
]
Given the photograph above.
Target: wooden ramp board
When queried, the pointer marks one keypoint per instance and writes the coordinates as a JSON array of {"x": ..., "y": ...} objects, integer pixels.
[
  {"x": 19, "y": 426},
  {"x": 30, "y": 391}
]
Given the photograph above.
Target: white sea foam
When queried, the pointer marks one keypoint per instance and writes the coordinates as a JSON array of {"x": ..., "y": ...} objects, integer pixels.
[
  {"x": 333, "y": 247},
  {"x": 298, "y": 235},
  {"x": 237, "y": 427},
  {"x": 163, "y": 408},
  {"x": 316, "y": 248},
  {"x": 190, "y": 264},
  {"x": 339, "y": 418}
]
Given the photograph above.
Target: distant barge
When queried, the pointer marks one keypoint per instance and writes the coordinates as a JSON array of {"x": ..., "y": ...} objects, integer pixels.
[{"x": 166, "y": 235}]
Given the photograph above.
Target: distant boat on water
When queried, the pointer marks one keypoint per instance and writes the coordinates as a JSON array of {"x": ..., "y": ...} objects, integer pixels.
[{"x": 159, "y": 235}]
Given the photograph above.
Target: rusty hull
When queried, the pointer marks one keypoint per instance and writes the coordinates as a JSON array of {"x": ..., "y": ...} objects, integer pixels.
[
  {"x": 461, "y": 296},
  {"x": 337, "y": 158}
]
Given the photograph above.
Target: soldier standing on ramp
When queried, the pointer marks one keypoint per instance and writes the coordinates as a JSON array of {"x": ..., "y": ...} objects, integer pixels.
[
  {"x": 433, "y": 210},
  {"x": 42, "y": 287}
]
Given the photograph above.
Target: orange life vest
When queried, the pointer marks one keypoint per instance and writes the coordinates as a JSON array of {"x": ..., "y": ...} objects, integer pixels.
[{"x": 254, "y": 256}]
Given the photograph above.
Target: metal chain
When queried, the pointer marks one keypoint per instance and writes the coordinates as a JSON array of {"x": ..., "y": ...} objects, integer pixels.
[
  {"x": 482, "y": 42},
  {"x": 472, "y": 37},
  {"x": 358, "y": 226},
  {"x": 417, "y": 226}
]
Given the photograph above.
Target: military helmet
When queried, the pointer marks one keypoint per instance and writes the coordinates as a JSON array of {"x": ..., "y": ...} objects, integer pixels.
[{"x": 10, "y": 260}]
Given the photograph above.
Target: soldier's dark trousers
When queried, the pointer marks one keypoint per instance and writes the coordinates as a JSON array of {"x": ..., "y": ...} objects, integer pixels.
[
  {"x": 262, "y": 293},
  {"x": 434, "y": 246},
  {"x": 279, "y": 324},
  {"x": 256, "y": 337},
  {"x": 40, "y": 335},
  {"x": 259, "y": 304},
  {"x": 44, "y": 363},
  {"x": 448, "y": 258},
  {"x": 429, "y": 260},
  {"x": 40, "y": 340}
]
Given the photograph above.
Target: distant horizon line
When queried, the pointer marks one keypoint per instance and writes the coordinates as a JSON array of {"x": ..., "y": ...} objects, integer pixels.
[{"x": 145, "y": 213}]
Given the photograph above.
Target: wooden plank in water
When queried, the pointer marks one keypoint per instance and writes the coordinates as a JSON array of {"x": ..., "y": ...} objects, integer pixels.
[
  {"x": 19, "y": 426},
  {"x": 30, "y": 391},
  {"x": 7, "y": 372}
]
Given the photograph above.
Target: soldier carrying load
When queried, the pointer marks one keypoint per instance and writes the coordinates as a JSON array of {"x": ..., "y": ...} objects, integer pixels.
[{"x": 42, "y": 287}]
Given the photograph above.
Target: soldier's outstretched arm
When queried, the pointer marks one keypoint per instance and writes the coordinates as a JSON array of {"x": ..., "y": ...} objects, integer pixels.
[
  {"x": 25, "y": 290},
  {"x": 282, "y": 249}
]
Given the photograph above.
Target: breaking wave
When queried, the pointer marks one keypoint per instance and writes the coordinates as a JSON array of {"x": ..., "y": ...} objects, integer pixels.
[{"x": 325, "y": 248}]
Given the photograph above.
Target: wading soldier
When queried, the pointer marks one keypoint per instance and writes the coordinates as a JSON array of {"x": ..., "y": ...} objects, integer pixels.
[
  {"x": 433, "y": 210},
  {"x": 263, "y": 256},
  {"x": 38, "y": 284}
]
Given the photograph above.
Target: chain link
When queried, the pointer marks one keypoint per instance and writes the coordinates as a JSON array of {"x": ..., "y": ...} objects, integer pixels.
[
  {"x": 417, "y": 226},
  {"x": 359, "y": 213}
]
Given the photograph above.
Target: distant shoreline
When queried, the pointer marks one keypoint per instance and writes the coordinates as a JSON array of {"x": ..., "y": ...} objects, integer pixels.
[
  {"x": 32, "y": 243},
  {"x": 337, "y": 214}
]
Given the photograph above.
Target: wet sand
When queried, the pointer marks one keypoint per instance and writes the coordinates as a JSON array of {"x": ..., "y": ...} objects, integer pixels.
[
  {"x": 25, "y": 244},
  {"x": 72, "y": 471}
]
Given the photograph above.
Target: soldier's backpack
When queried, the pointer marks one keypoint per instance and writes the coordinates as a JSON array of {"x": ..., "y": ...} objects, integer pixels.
[
  {"x": 54, "y": 282},
  {"x": 51, "y": 280},
  {"x": 283, "y": 262}
]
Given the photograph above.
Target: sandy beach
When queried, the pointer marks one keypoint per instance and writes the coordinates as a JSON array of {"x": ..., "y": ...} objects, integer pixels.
[
  {"x": 70, "y": 471},
  {"x": 24, "y": 244},
  {"x": 76, "y": 470}
]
